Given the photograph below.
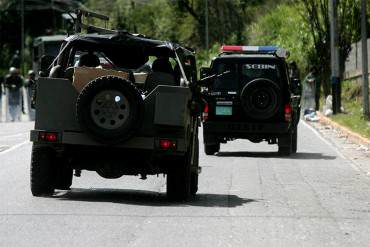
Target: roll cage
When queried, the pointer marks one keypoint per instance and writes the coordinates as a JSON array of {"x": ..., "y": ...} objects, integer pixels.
[{"x": 129, "y": 50}]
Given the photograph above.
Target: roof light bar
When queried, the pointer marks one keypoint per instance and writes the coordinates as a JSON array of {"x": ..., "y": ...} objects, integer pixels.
[{"x": 256, "y": 50}]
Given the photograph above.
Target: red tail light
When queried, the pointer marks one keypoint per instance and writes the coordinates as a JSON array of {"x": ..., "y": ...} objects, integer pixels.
[
  {"x": 205, "y": 113},
  {"x": 288, "y": 109},
  {"x": 48, "y": 136},
  {"x": 167, "y": 144},
  {"x": 288, "y": 113}
]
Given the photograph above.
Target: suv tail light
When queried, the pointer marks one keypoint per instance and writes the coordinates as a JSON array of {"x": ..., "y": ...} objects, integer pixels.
[
  {"x": 205, "y": 113},
  {"x": 288, "y": 112}
]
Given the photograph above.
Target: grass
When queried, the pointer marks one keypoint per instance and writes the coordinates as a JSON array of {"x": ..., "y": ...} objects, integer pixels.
[{"x": 353, "y": 118}]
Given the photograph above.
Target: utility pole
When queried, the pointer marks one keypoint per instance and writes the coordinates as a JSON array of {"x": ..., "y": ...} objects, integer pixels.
[
  {"x": 22, "y": 37},
  {"x": 206, "y": 26},
  {"x": 334, "y": 55},
  {"x": 365, "y": 69}
]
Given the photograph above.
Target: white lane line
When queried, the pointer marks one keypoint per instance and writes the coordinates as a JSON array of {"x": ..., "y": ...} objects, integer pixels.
[
  {"x": 333, "y": 147},
  {"x": 14, "y": 147},
  {"x": 318, "y": 134}
]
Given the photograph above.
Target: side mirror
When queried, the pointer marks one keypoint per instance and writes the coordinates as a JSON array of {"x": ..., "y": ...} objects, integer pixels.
[
  {"x": 204, "y": 72},
  {"x": 296, "y": 86},
  {"x": 45, "y": 63}
]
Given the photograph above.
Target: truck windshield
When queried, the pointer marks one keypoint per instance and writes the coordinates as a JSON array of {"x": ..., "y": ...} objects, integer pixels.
[{"x": 52, "y": 48}]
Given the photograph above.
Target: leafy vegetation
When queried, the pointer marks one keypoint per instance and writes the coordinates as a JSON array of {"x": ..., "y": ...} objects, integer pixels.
[
  {"x": 353, "y": 112},
  {"x": 284, "y": 26},
  {"x": 298, "y": 25},
  {"x": 301, "y": 26}
]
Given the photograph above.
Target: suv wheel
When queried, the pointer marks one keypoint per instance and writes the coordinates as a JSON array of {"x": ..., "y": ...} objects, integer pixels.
[
  {"x": 43, "y": 172},
  {"x": 285, "y": 144},
  {"x": 179, "y": 179},
  {"x": 211, "y": 149},
  {"x": 194, "y": 171}
]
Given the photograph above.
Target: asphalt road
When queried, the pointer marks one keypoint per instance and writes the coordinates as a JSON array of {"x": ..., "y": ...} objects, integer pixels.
[{"x": 248, "y": 196}]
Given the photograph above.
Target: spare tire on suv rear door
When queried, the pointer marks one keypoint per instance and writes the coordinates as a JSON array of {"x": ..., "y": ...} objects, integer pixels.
[
  {"x": 109, "y": 109},
  {"x": 261, "y": 99}
]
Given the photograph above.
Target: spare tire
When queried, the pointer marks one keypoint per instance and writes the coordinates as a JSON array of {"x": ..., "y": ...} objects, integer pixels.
[
  {"x": 109, "y": 109},
  {"x": 261, "y": 99}
]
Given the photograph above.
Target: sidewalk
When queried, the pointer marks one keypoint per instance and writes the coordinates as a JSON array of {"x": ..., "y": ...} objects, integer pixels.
[
  {"x": 354, "y": 147},
  {"x": 345, "y": 132}
]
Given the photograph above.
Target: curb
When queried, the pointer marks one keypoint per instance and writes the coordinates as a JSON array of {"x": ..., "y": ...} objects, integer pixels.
[{"x": 349, "y": 134}]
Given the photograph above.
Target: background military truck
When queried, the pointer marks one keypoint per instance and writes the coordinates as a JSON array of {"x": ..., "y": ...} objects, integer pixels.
[
  {"x": 136, "y": 117},
  {"x": 45, "y": 46},
  {"x": 249, "y": 95}
]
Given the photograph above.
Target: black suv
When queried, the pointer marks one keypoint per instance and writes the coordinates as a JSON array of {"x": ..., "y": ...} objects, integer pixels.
[{"x": 249, "y": 95}]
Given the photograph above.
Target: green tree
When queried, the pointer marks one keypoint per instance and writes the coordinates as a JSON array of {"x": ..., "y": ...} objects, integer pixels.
[
  {"x": 41, "y": 17},
  {"x": 283, "y": 26},
  {"x": 181, "y": 20},
  {"x": 315, "y": 13}
]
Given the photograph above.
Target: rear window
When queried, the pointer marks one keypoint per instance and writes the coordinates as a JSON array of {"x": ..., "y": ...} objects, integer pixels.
[
  {"x": 228, "y": 81},
  {"x": 239, "y": 74}
]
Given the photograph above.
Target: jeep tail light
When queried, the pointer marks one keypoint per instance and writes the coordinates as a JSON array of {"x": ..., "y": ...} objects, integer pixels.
[
  {"x": 48, "y": 136},
  {"x": 288, "y": 112},
  {"x": 167, "y": 144},
  {"x": 205, "y": 112}
]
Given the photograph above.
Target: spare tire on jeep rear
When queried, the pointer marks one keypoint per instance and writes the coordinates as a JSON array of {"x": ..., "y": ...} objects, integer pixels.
[
  {"x": 109, "y": 109},
  {"x": 261, "y": 98}
]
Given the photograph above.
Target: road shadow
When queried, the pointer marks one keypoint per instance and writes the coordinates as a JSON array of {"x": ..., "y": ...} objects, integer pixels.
[
  {"x": 298, "y": 156},
  {"x": 149, "y": 198}
]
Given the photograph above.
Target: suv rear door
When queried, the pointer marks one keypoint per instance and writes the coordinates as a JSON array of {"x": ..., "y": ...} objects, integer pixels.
[{"x": 224, "y": 101}]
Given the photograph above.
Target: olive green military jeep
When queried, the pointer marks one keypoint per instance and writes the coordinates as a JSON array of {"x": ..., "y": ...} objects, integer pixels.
[{"x": 118, "y": 104}]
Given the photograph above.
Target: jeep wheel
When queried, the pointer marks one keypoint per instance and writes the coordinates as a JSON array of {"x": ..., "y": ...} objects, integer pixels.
[
  {"x": 64, "y": 175},
  {"x": 179, "y": 179},
  {"x": 109, "y": 109},
  {"x": 194, "y": 170},
  {"x": 261, "y": 99},
  {"x": 294, "y": 141},
  {"x": 42, "y": 170},
  {"x": 285, "y": 145},
  {"x": 211, "y": 149}
]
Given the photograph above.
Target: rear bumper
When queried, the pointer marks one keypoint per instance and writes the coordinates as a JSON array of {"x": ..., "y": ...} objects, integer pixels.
[
  {"x": 81, "y": 139},
  {"x": 239, "y": 129}
]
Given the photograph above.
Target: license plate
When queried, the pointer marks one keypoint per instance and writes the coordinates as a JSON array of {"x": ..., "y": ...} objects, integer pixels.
[{"x": 224, "y": 110}]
